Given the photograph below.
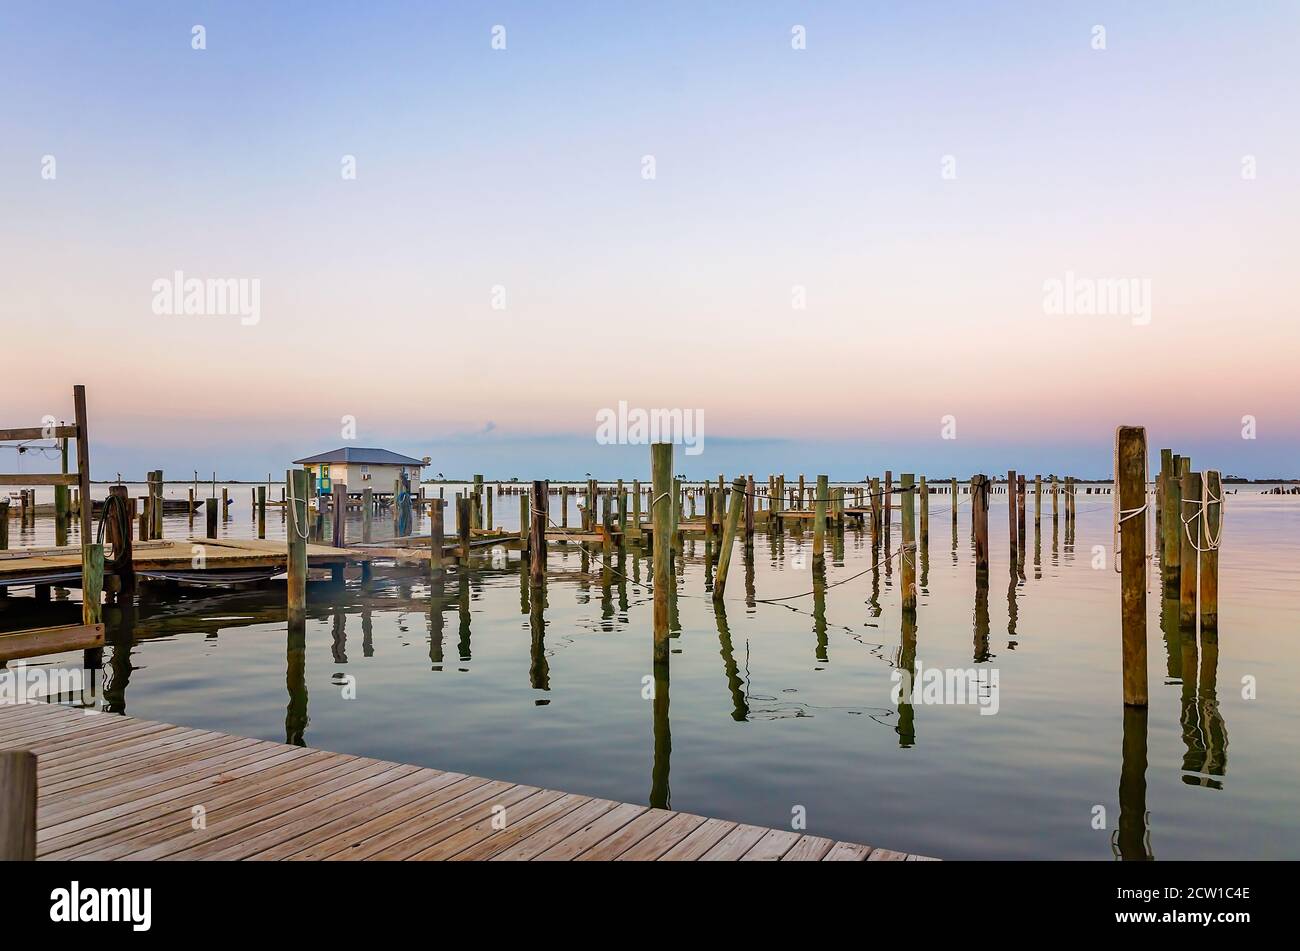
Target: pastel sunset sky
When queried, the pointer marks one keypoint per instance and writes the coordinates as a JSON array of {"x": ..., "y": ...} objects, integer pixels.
[{"x": 916, "y": 176}]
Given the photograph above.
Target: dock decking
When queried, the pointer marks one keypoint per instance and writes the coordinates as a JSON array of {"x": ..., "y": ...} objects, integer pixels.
[{"x": 114, "y": 787}]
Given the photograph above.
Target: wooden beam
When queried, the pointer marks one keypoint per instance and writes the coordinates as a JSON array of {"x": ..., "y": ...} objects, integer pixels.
[
  {"x": 38, "y": 432},
  {"x": 40, "y": 478},
  {"x": 50, "y": 640}
]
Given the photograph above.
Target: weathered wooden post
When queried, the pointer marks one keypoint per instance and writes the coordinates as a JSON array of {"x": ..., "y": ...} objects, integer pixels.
[
  {"x": 979, "y": 503},
  {"x": 636, "y": 508},
  {"x": 1038, "y": 501},
  {"x": 340, "y": 539},
  {"x": 749, "y": 511},
  {"x": 210, "y": 515},
  {"x": 954, "y": 505},
  {"x": 819, "y": 520},
  {"x": 1130, "y": 486},
  {"x": 1011, "y": 512},
  {"x": 875, "y": 512},
  {"x": 906, "y": 485},
  {"x": 117, "y": 530},
  {"x": 261, "y": 511},
  {"x": 17, "y": 806},
  {"x": 464, "y": 516},
  {"x": 888, "y": 514},
  {"x": 225, "y": 502},
  {"x": 1211, "y": 530},
  {"x": 728, "y": 539},
  {"x": 368, "y": 513},
  {"x": 158, "y": 504},
  {"x": 564, "y": 506},
  {"x": 296, "y": 480},
  {"x": 1020, "y": 518},
  {"x": 537, "y": 533},
  {"x": 1172, "y": 521},
  {"x": 1054, "y": 499},
  {"x": 661, "y": 515},
  {"x": 1189, "y": 523},
  {"x": 925, "y": 514},
  {"x": 437, "y": 538},
  {"x": 488, "y": 521}
]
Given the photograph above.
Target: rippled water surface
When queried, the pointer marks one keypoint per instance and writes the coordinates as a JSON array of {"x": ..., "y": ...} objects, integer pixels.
[{"x": 785, "y": 707}]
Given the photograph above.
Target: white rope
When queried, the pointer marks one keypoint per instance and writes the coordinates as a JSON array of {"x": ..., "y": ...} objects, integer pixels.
[{"x": 293, "y": 509}]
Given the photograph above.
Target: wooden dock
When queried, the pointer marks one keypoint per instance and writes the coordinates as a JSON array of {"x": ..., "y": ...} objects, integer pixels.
[
  {"x": 62, "y": 566},
  {"x": 114, "y": 787}
]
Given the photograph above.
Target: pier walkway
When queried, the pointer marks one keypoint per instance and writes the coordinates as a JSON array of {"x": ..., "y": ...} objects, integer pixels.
[{"x": 115, "y": 787}]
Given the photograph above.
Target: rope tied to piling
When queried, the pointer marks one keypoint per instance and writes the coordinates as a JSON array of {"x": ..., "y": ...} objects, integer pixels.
[
  {"x": 116, "y": 510},
  {"x": 1202, "y": 515},
  {"x": 1122, "y": 515},
  {"x": 304, "y": 534}
]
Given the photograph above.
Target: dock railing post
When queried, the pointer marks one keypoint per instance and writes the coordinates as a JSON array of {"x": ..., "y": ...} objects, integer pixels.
[
  {"x": 1130, "y": 487},
  {"x": 17, "y": 806}
]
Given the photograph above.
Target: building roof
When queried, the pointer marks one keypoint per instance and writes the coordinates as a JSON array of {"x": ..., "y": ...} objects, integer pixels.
[{"x": 378, "y": 457}]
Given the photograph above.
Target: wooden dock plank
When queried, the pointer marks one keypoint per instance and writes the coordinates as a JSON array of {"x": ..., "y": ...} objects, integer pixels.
[{"x": 114, "y": 787}]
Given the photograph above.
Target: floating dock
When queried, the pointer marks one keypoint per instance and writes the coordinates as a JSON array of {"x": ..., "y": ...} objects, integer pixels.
[{"x": 116, "y": 787}]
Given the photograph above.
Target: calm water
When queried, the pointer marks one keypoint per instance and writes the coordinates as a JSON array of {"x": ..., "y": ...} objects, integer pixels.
[{"x": 778, "y": 706}]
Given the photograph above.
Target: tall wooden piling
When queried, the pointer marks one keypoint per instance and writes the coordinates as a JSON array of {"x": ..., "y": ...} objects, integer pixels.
[
  {"x": 661, "y": 509},
  {"x": 728, "y": 539},
  {"x": 1038, "y": 500},
  {"x": 537, "y": 533},
  {"x": 749, "y": 511},
  {"x": 1211, "y": 532},
  {"x": 906, "y": 482},
  {"x": 889, "y": 501},
  {"x": 1171, "y": 519},
  {"x": 437, "y": 537},
  {"x": 368, "y": 512},
  {"x": 1189, "y": 523},
  {"x": 210, "y": 517},
  {"x": 876, "y": 504},
  {"x": 1020, "y": 517},
  {"x": 296, "y": 481},
  {"x": 464, "y": 522},
  {"x": 261, "y": 511},
  {"x": 117, "y": 530},
  {"x": 925, "y": 513},
  {"x": 340, "y": 508},
  {"x": 1011, "y": 512},
  {"x": 819, "y": 520},
  {"x": 636, "y": 508},
  {"x": 17, "y": 806},
  {"x": 158, "y": 504},
  {"x": 979, "y": 503},
  {"x": 1130, "y": 486}
]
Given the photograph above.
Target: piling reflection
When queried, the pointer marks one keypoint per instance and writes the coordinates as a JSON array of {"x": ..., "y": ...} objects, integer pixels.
[
  {"x": 906, "y": 664},
  {"x": 822, "y": 651},
  {"x": 982, "y": 653},
  {"x": 119, "y": 633},
  {"x": 437, "y": 623},
  {"x": 539, "y": 668},
  {"x": 1132, "y": 840},
  {"x": 462, "y": 608},
  {"x": 295, "y": 714},
  {"x": 735, "y": 684},
  {"x": 1205, "y": 736}
]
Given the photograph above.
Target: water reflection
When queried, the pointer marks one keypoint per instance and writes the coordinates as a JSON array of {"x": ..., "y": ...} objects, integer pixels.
[
  {"x": 735, "y": 684},
  {"x": 1132, "y": 840},
  {"x": 295, "y": 677}
]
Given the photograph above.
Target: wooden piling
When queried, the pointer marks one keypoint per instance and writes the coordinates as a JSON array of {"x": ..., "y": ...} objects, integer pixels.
[
  {"x": 464, "y": 520},
  {"x": 537, "y": 535},
  {"x": 92, "y": 583},
  {"x": 297, "y": 482},
  {"x": 1189, "y": 524},
  {"x": 1011, "y": 512},
  {"x": 906, "y": 481},
  {"x": 117, "y": 530},
  {"x": 1038, "y": 501},
  {"x": 17, "y": 806},
  {"x": 368, "y": 512},
  {"x": 158, "y": 504},
  {"x": 636, "y": 508},
  {"x": 749, "y": 511},
  {"x": 225, "y": 502},
  {"x": 1211, "y": 532},
  {"x": 1020, "y": 518},
  {"x": 661, "y": 515},
  {"x": 979, "y": 501},
  {"x": 819, "y": 520},
  {"x": 340, "y": 514},
  {"x": 210, "y": 516},
  {"x": 1130, "y": 486},
  {"x": 261, "y": 511},
  {"x": 1171, "y": 519},
  {"x": 728, "y": 539},
  {"x": 437, "y": 537},
  {"x": 925, "y": 514}
]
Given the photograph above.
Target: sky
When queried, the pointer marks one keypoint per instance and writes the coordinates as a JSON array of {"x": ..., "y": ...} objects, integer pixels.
[{"x": 840, "y": 257}]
